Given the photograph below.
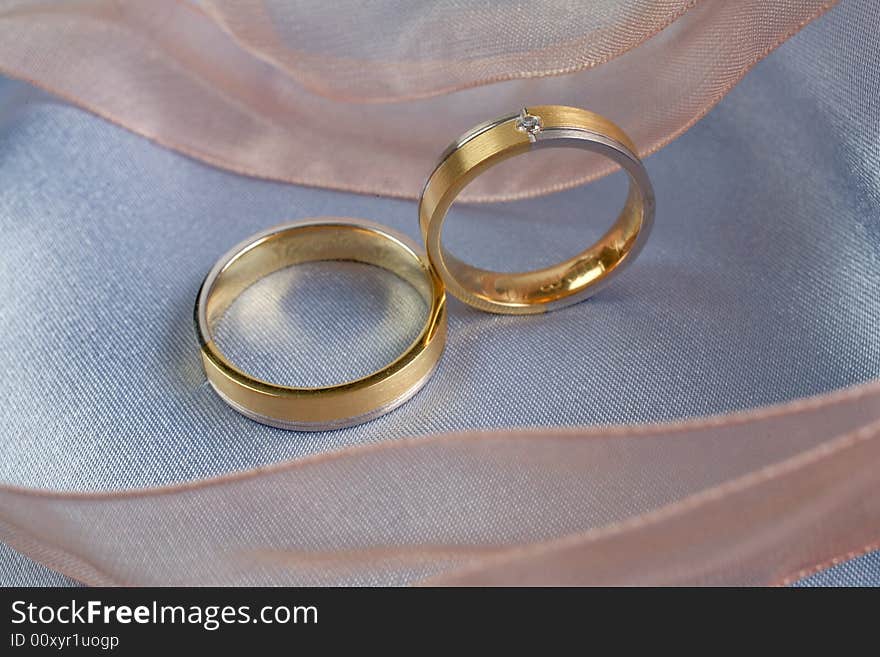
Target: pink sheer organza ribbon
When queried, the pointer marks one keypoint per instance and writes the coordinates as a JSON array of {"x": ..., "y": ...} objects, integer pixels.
[
  {"x": 360, "y": 96},
  {"x": 364, "y": 96},
  {"x": 752, "y": 498}
]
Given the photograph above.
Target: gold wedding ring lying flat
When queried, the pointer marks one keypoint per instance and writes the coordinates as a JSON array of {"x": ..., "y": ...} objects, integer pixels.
[
  {"x": 486, "y": 145},
  {"x": 337, "y": 406}
]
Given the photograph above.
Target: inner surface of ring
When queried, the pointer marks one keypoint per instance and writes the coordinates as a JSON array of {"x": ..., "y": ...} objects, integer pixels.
[
  {"x": 312, "y": 243},
  {"x": 565, "y": 278}
]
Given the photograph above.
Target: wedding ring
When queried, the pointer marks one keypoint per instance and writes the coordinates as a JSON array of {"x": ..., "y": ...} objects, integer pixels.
[
  {"x": 571, "y": 281},
  {"x": 335, "y": 406}
]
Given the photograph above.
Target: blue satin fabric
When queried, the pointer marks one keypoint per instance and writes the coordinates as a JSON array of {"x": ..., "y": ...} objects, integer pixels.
[{"x": 760, "y": 283}]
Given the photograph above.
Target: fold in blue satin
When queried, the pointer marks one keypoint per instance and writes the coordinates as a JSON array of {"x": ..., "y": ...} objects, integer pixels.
[{"x": 760, "y": 283}]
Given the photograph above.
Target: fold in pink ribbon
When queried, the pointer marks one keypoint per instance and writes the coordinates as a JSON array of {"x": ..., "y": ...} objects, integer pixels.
[
  {"x": 364, "y": 97},
  {"x": 751, "y": 498}
]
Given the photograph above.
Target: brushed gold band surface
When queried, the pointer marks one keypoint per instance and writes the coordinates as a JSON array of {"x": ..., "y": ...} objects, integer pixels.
[
  {"x": 570, "y": 281},
  {"x": 336, "y": 406}
]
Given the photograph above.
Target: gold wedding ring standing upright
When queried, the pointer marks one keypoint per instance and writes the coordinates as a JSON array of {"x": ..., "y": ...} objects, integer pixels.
[
  {"x": 330, "y": 407},
  {"x": 545, "y": 126}
]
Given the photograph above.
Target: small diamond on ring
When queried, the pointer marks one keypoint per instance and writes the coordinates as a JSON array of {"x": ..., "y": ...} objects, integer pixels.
[{"x": 529, "y": 122}]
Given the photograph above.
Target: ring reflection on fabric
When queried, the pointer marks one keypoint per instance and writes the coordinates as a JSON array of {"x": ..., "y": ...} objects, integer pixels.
[
  {"x": 334, "y": 406},
  {"x": 571, "y": 281}
]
